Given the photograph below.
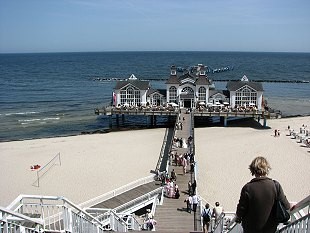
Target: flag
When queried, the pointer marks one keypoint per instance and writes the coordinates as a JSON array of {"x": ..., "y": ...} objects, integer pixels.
[{"x": 114, "y": 98}]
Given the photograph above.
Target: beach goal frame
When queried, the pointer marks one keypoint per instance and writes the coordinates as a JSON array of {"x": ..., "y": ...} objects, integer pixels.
[{"x": 44, "y": 169}]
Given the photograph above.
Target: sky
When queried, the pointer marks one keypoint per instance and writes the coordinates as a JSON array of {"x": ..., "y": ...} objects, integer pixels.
[{"x": 28, "y": 26}]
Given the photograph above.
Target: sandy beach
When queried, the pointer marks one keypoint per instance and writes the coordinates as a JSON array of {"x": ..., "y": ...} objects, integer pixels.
[
  {"x": 224, "y": 155},
  {"x": 92, "y": 165}
]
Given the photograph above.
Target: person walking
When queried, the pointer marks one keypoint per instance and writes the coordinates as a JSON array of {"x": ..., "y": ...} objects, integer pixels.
[
  {"x": 255, "y": 208},
  {"x": 195, "y": 201},
  {"x": 206, "y": 218},
  {"x": 189, "y": 202},
  {"x": 217, "y": 210},
  {"x": 216, "y": 213},
  {"x": 194, "y": 186}
]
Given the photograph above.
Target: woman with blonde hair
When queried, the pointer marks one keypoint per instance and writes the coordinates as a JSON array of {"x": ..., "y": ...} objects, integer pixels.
[{"x": 255, "y": 208}]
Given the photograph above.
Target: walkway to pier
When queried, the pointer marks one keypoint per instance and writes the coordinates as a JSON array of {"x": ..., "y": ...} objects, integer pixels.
[
  {"x": 172, "y": 215},
  {"x": 128, "y": 196}
]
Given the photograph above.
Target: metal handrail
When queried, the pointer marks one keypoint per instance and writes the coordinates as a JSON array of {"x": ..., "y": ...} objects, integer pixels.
[
  {"x": 147, "y": 197},
  {"x": 161, "y": 156},
  {"x": 17, "y": 216},
  {"x": 300, "y": 225},
  {"x": 52, "y": 214},
  {"x": 300, "y": 217},
  {"x": 170, "y": 148}
]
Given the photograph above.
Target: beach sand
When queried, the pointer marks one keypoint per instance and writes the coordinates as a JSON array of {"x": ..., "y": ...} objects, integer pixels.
[
  {"x": 224, "y": 155},
  {"x": 91, "y": 165}
]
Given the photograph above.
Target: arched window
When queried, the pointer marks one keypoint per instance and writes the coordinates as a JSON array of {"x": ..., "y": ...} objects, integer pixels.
[
  {"x": 156, "y": 100},
  {"x": 172, "y": 94},
  {"x": 130, "y": 96},
  {"x": 187, "y": 90},
  {"x": 246, "y": 96},
  {"x": 202, "y": 94}
]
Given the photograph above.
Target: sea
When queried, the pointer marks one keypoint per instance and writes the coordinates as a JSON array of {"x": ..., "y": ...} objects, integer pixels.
[{"x": 54, "y": 94}]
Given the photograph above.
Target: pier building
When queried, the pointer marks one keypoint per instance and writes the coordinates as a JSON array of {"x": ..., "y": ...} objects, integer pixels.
[{"x": 188, "y": 89}]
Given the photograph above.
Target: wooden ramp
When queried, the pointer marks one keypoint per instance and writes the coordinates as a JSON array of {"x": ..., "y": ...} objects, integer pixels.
[
  {"x": 128, "y": 196},
  {"x": 172, "y": 215}
]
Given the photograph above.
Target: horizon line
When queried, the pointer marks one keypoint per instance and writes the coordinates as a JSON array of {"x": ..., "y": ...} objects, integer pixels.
[{"x": 149, "y": 51}]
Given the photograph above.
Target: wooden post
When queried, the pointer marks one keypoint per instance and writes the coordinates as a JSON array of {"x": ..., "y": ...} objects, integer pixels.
[
  {"x": 152, "y": 120},
  {"x": 110, "y": 121},
  {"x": 117, "y": 121},
  {"x": 123, "y": 118}
]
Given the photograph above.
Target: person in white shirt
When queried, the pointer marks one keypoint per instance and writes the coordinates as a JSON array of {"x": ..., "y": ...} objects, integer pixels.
[
  {"x": 195, "y": 201},
  {"x": 217, "y": 210}
]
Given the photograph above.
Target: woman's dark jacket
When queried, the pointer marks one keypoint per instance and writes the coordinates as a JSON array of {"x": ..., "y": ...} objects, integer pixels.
[{"x": 255, "y": 208}]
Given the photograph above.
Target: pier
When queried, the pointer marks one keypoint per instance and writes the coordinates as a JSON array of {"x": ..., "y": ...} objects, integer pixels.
[{"x": 152, "y": 113}]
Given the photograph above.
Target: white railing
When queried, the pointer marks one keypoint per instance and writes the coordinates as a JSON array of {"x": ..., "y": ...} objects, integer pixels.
[
  {"x": 14, "y": 222},
  {"x": 299, "y": 222},
  {"x": 139, "y": 202},
  {"x": 117, "y": 191},
  {"x": 300, "y": 218},
  {"x": 162, "y": 151},
  {"x": 56, "y": 213},
  {"x": 170, "y": 149},
  {"x": 131, "y": 221},
  {"x": 235, "y": 228}
]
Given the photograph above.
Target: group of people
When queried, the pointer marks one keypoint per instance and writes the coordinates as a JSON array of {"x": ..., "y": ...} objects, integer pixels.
[
  {"x": 303, "y": 135},
  {"x": 179, "y": 125},
  {"x": 172, "y": 189},
  {"x": 208, "y": 215},
  {"x": 149, "y": 221},
  {"x": 277, "y": 133},
  {"x": 179, "y": 142},
  {"x": 192, "y": 202},
  {"x": 226, "y": 108},
  {"x": 185, "y": 160}
]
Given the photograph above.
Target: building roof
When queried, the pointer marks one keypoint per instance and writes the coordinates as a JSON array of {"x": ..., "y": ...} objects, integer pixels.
[
  {"x": 187, "y": 76},
  {"x": 173, "y": 80},
  {"x": 235, "y": 85},
  {"x": 222, "y": 92},
  {"x": 141, "y": 85},
  {"x": 202, "y": 80},
  {"x": 152, "y": 91}
]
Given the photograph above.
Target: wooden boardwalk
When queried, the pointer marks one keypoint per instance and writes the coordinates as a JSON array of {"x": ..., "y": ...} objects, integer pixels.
[
  {"x": 172, "y": 215},
  {"x": 130, "y": 195}
]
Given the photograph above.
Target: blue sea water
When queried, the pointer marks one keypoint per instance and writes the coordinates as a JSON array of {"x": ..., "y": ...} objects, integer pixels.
[{"x": 54, "y": 94}]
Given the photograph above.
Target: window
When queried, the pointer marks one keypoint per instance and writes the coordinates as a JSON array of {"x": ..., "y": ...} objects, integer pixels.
[
  {"x": 202, "y": 94},
  {"x": 131, "y": 96},
  {"x": 187, "y": 90},
  {"x": 172, "y": 94},
  {"x": 246, "y": 96},
  {"x": 156, "y": 99}
]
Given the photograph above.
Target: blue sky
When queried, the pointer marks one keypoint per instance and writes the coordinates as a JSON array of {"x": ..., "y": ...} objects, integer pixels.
[{"x": 154, "y": 25}]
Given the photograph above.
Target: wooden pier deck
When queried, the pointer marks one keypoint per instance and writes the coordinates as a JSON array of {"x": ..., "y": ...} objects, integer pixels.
[{"x": 172, "y": 215}]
